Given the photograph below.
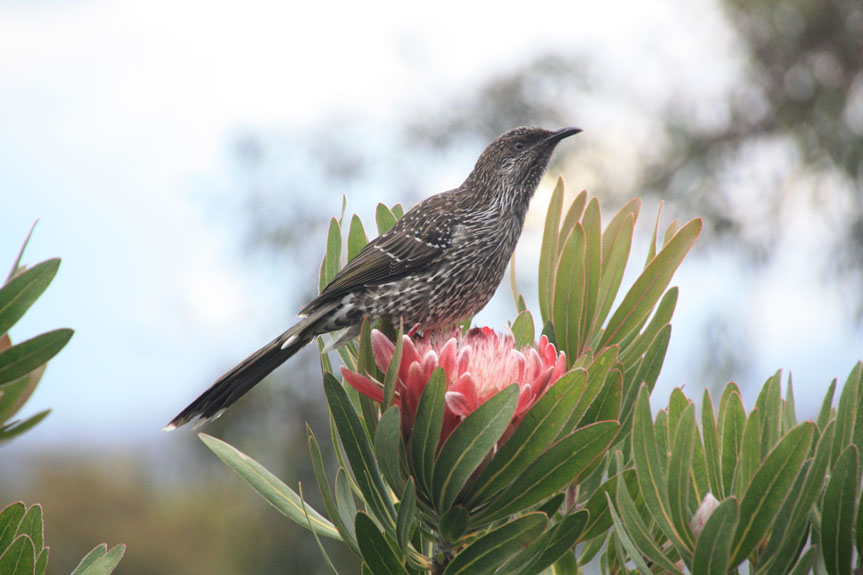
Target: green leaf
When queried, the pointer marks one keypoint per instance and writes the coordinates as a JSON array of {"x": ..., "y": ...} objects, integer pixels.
[
  {"x": 826, "y": 412},
  {"x": 426, "y": 431},
  {"x": 750, "y": 451},
  {"x": 468, "y": 445},
  {"x": 23, "y": 290},
  {"x": 334, "y": 253},
  {"x": 393, "y": 368},
  {"x": 789, "y": 415},
  {"x": 356, "y": 237},
  {"x": 305, "y": 507},
  {"x": 41, "y": 562},
  {"x": 769, "y": 404},
  {"x": 398, "y": 211},
  {"x": 384, "y": 218},
  {"x": 592, "y": 223},
  {"x": 650, "y": 473},
  {"x": 523, "y": 329},
  {"x": 732, "y": 422},
  {"x": 616, "y": 243},
  {"x": 597, "y": 505},
  {"x": 806, "y": 562},
  {"x": 347, "y": 508},
  {"x": 639, "y": 532},
  {"x": 767, "y": 490},
  {"x": 711, "y": 445},
  {"x": 326, "y": 494},
  {"x": 567, "y": 461},
  {"x": 358, "y": 449},
  {"x": 10, "y": 518},
  {"x": 268, "y": 485},
  {"x": 650, "y": 285},
  {"x": 405, "y": 518},
  {"x": 491, "y": 550},
  {"x": 679, "y": 467},
  {"x": 837, "y": 513},
  {"x": 21, "y": 359},
  {"x": 606, "y": 404},
  {"x": 571, "y": 219},
  {"x": 845, "y": 417},
  {"x": 596, "y": 373},
  {"x": 647, "y": 373},
  {"x": 453, "y": 523},
  {"x": 855, "y": 378},
  {"x": 568, "y": 293},
  {"x": 622, "y": 535},
  {"x": 532, "y": 436},
  {"x": 16, "y": 267},
  {"x": 388, "y": 446},
  {"x": 32, "y": 526},
  {"x": 713, "y": 547},
  {"x": 551, "y": 546},
  {"x": 100, "y": 561},
  {"x": 19, "y": 558},
  {"x": 548, "y": 251},
  {"x": 376, "y": 552},
  {"x": 16, "y": 428}
]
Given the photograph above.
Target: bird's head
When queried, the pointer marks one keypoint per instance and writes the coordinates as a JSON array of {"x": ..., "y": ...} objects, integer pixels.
[{"x": 514, "y": 163}]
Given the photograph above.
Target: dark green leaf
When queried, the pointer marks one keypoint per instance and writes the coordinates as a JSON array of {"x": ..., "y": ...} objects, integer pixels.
[
  {"x": 548, "y": 251},
  {"x": 405, "y": 519},
  {"x": 347, "y": 507},
  {"x": 551, "y": 546},
  {"x": 606, "y": 405},
  {"x": 714, "y": 544},
  {"x": 597, "y": 505},
  {"x": 567, "y": 461},
  {"x": 837, "y": 513},
  {"x": 268, "y": 485},
  {"x": 469, "y": 444},
  {"x": 327, "y": 494},
  {"x": 10, "y": 518},
  {"x": 31, "y": 525},
  {"x": 426, "y": 431},
  {"x": 491, "y": 550},
  {"x": 789, "y": 415},
  {"x": 845, "y": 416},
  {"x": 622, "y": 535},
  {"x": 750, "y": 451},
  {"x": 18, "y": 427},
  {"x": 453, "y": 523},
  {"x": 732, "y": 422},
  {"x": 387, "y": 447},
  {"x": 650, "y": 285},
  {"x": 679, "y": 467},
  {"x": 376, "y": 552},
  {"x": 26, "y": 356},
  {"x": 23, "y": 290},
  {"x": 19, "y": 558},
  {"x": 711, "y": 445},
  {"x": 532, "y": 436},
  {"x": 568, "y": 293},
  {"x": 767, "y": 490}
]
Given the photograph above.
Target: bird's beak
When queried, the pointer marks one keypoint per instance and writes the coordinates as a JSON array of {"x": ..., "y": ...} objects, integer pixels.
[{"x": 558, "y": 135}]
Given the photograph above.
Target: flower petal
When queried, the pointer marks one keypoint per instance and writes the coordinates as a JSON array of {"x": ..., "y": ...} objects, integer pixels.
[
  {"x": 447, "y": 359},
  {"x": 458, "y": 403},
  {"x": 526, "y": 398},
  {"x": 364, "y": 385},
  {"x": 382, "y": 349}
]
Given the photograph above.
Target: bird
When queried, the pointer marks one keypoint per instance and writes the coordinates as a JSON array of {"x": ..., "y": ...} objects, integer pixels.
[{"x": 440, "y": 263}]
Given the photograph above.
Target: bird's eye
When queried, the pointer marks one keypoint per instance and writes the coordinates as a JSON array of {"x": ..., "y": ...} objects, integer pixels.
[{"x": 519, "y": 146}]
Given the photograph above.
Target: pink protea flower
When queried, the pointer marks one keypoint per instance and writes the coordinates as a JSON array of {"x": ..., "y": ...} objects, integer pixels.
[{"x": 477, "y": 366}]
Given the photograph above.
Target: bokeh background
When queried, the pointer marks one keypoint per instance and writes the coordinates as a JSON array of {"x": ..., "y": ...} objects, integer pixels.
[{"x": 184, "y": 158}]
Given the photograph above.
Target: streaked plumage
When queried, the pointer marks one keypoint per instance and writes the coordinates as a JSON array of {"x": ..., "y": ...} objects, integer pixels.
[{"x": 437, "y": 265}]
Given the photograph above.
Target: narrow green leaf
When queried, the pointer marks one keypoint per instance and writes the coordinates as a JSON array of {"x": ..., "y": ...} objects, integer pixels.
[
  {"x": 568, "y": 292},
  {"x": 650, "y": 285},
  {"x": 523, "y": 329},
  {"x": 677, "y": 404},
  {"x": 597, "y": 505},
  {"x": 596, "y": 374},
  {"x": 356, "y": 237},
  {"x": 32, "y": 526},
  {"x": 426, "y": 431},
  {"x": 767, "y": 490},
  {"x": 572, "y": 217},
  {"x": 554, "y": 544},
  {"x": 826, "y": 411},
  {"x": 622, "y": 535},
  {"x": 640, "y": 533},
  {"x": 305, "y": 507},
  {"x": 453, "y": 523},
  {"x": 616, "y": 243},
  {"x": 326, "y": 494},
  {"x": 548, "y": 252},
  {"x": 538, "y": 427},
  {"x": 845, "y": 417},
  {"x": 268, "y": 485},
  {"x": 10, "y": 519},
  {"x": 398, "y": 211},
  {"x": 651, "y": 252},
  {"x": 405, "y": 518},
  {"x": 347, "y": 507},
  {"x": 358, "y": 449},
  {"x": 806, "y": 562},
  {"x": 384, "y": 218},
  {"x": 19, "y": 558},
  {"x": 606, "y": 405},
  {"x": 334, "y": 250},
  {"x": 18, "y": 427},
  {"x": 769, "y": 404},
  {"x": 651, "y": 475},
  {"x": 393, "y": 368},
  {"x": 789, "y": 415},
  {"x": 678, "y": 474},
  {"x": 713, "y": 548},
  {"x": 23, "y": 290},
  {"x": 592, "y": 223},
  {"x": 648, "y": 371},
  {"x": 711, "y": 446},
  {"x": 387, "y": 447},
  {"x": 26, "y": 356},
  {"x": 41, "y": 562},
  {"x": 468, "y": 445},
  {"x": 491, "y": 550},
  {"x": 732, "y": 422},
  {"x": 856, "y": 378},
  {"x": 750, "y": 451},
  {"x": 837, "y": 513},
  {"x": 376, "y": 552},
  {"x": 16, "y": 267},
  {"x": 568, "y": 461}
]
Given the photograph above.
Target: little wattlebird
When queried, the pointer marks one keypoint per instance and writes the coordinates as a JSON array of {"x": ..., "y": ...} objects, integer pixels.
[{"x": 437, "y": 265}]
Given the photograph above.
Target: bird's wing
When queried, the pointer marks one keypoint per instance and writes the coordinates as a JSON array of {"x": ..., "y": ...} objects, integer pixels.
[{"x": 419, "y": 238}]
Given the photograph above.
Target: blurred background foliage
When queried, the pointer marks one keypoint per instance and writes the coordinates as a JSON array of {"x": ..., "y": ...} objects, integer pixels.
[{"x": 786, "y": 137}]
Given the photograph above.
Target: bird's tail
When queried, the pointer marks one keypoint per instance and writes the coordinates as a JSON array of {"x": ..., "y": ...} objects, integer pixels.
[{"x": 245, "y": 375}]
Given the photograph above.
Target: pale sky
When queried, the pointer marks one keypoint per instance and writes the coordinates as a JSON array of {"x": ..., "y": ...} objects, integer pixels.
[{"x": 116, "y": 121}]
